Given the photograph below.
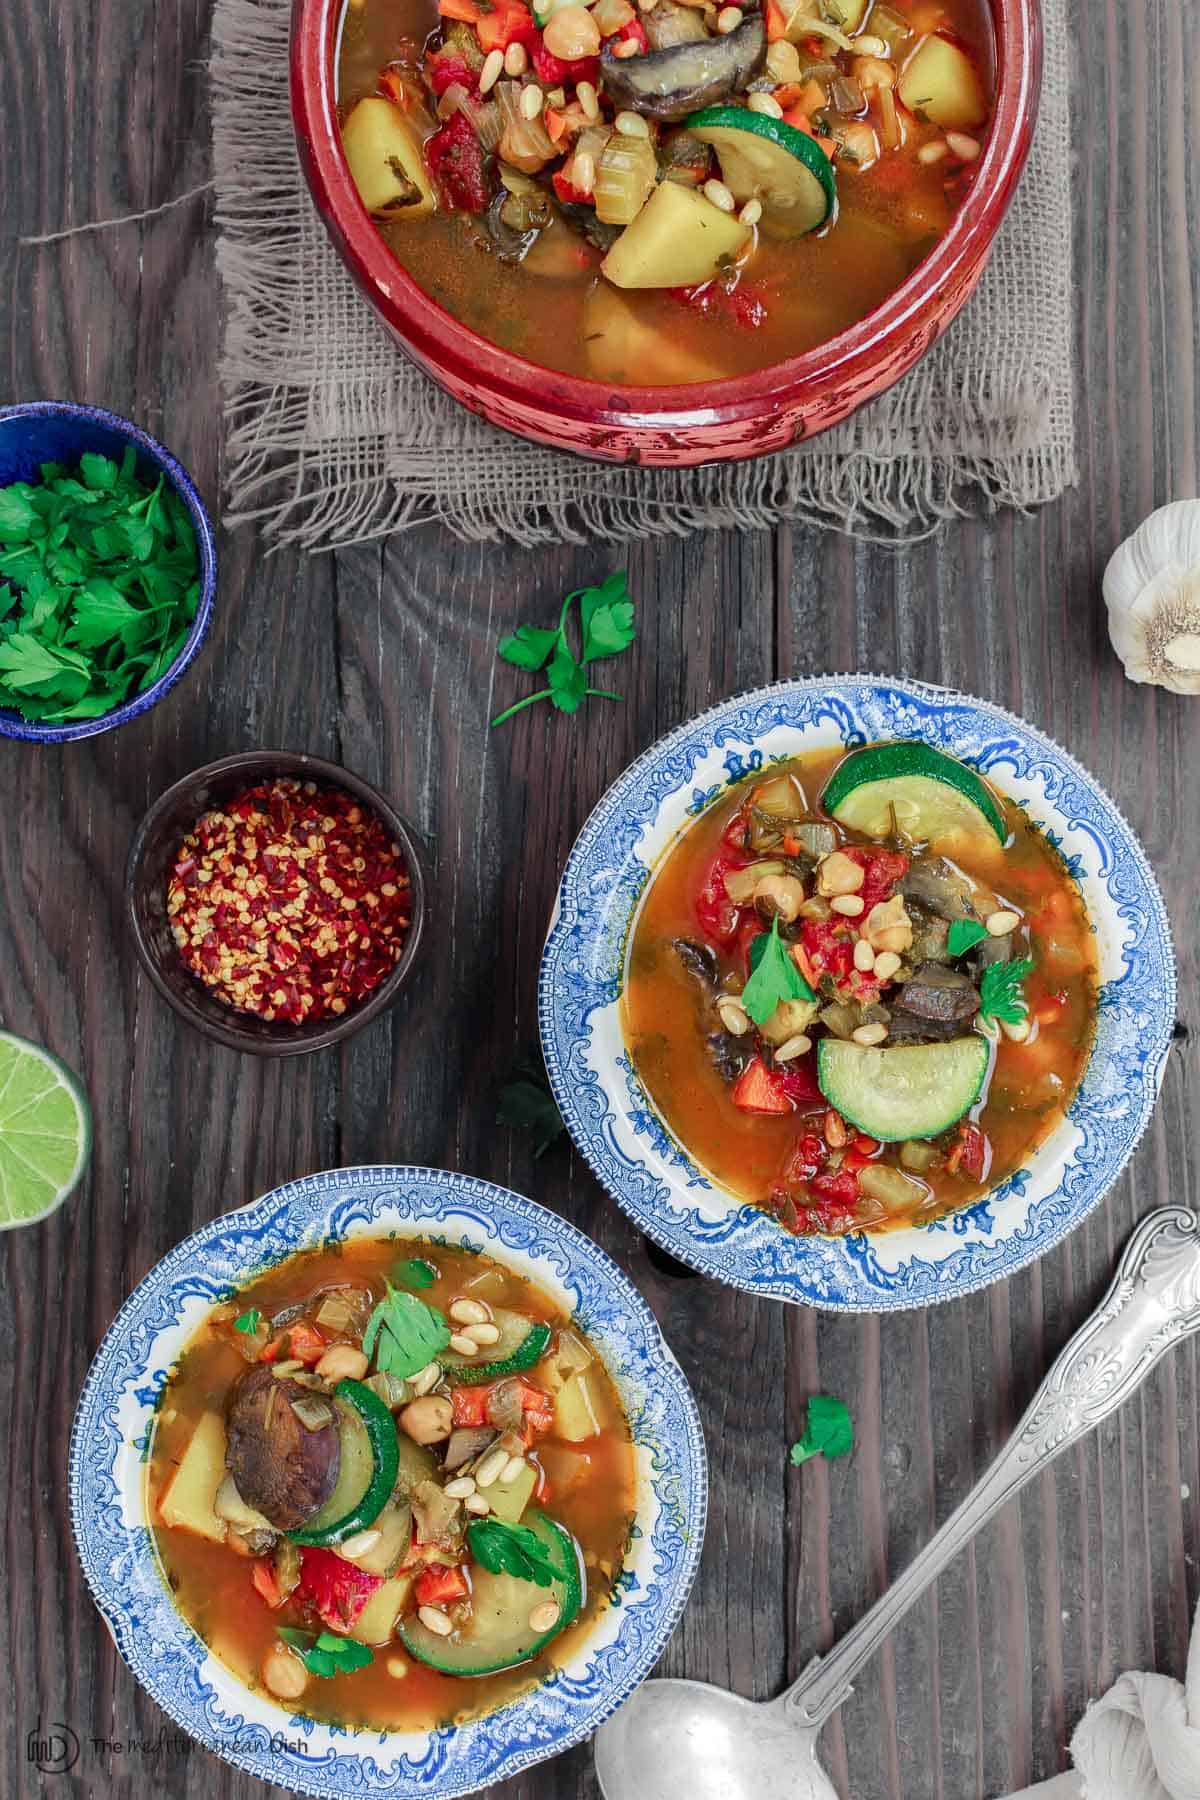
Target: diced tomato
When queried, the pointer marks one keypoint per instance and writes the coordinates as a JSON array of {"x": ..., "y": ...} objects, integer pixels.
[
  {"x": 447, "y": 68},
  {"x": 437, "y": 1586},
  {"x": 635, "y": 30},
  {"x": 263, "y": 1577},
  {"x": 509, "y": 22},
  {"x": 455, "y": 159},
  {"x": 567, "y": 194},
  {"x": 717, "y": 916},
  {"x": 299, "y": 1343},
  {"x": 882, "y": 869},
  {"x": 808, "y": 1155},
  {"x": 832, "y": 1218},
  {"x": 828, "y": 947},
  {"x": 798, "y": 1081},
  {"x": 971, "y": 1155},
  {"x": 333, "y": 1587},
  {"x": 758, "y": 1090},
  {"x": 470, "y": 1405},
  {"x": 836, "y": 1184},
  {"x": 741, "y": 304},
  {"x": 553, "y": 72}
]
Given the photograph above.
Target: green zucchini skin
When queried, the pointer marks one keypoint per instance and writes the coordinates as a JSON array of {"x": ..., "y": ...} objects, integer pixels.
[
  {"x": 498, "y": 1635},
  {"x": 461, "y": 1371},
  {"x": 380, "y": 1428},
  {"x": 908, "y": 1091},
  {"x": 882, "y": 765}
]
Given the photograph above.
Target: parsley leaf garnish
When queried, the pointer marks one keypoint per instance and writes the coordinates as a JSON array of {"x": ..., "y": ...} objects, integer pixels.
[
  {"x": 526, "y": 1104},
  {"x": 404, "y": 1334},
  {"x": 329, "y": 1654},
  {"x": 606, "y": 628},
  {"x": 415, "y": 1273},
  {"x": 249, "y": 1322},
  {"x": 1000, "y": 991},
  {"x": 775, "y": 976},
  {"x": 964, "y": 934},
  {"x": 511, "y": 1550},
  {"x": 828, "y": 1430},
  {"x": 99, "y": 584}
]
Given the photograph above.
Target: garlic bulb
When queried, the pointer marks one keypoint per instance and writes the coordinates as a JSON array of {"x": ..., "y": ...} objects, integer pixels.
[{"x": 1152, "y": 591}]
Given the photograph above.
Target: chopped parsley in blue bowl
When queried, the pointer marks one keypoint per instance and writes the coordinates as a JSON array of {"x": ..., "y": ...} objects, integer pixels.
[{"x": 107, "y": 571}]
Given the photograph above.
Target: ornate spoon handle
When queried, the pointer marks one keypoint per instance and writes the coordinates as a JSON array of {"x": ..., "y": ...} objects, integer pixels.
[{"x": 1153, "y": 1302}]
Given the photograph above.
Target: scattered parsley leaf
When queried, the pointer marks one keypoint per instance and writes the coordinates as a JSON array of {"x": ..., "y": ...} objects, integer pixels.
[
  {"x": 606, "y": 628},
  {"x": 964, "y": 934},
  {"x": 415, "y": 1273},
  {"x": 249, "y": 1322},
  {"x": 526, "y": 1104},
  {"x": 775, "y": 976},
  {"x": 404, "y": 1334},
  {"x": 511, "y": 1550},
  {"x": 1000, "y": 991},
  {"x": 828, "y": 1430},
  {"x": 329, "y": 1654}
]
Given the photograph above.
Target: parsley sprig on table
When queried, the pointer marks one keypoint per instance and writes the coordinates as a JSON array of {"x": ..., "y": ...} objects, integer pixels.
[
  {"x": 828, "y": 1430},
  {"x": 404, "y": 1334},
  {"x": 511, "y": 1550},
  {"x": 606, "y": 628},
  {"x": 1000, "y": 992},
  {"x": 99, "y": 584}
]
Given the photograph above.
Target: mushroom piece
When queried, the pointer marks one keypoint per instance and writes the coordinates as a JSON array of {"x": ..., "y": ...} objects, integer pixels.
[
  {"x": 936, "y": 885},
  {"x": 671, "y": 83},
  {"x": 280, "y": 1467},
  {"x": 700, "y": 961},
  {"x": 939, "y": 996}
]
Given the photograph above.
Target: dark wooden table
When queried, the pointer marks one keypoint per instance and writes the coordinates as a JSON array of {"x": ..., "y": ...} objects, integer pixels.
[{"x": 383, "y": 658}]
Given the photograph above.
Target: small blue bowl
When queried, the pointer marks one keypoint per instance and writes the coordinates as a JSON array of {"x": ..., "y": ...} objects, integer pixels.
[{"x": 42, "y": 431}]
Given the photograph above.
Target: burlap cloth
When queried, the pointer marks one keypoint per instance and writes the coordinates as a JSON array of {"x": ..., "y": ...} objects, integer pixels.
[{"x": 334, "y": 437}]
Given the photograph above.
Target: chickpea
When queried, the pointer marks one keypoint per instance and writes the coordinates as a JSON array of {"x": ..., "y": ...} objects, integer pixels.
[
  {"x": 342, "y": 1362},
  {"x": 859, "y": 143},
  {"x": 571, "y": 33},
  {"x": 284, "y": 1674},
  {"x": 839, "y": 874},
  {"x": 781, "y": 894},
  {"x": 429, "y": 1420}
]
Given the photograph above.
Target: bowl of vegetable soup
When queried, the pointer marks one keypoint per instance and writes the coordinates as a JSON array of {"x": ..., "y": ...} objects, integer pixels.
[
  {"x": 388, "y": 1480},
  {"x": 858, "y": 992},
  {"x": 671, "y": 233}
]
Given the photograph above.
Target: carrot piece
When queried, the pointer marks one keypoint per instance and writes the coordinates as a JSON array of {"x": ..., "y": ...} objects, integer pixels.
[
  {"x": 812, "y": 97},
  {"x": 555, "y": 123},
  {"x": 435, "y": 1586},
  {"x": 776, "y": 22},
  {"x": 466, "y": 11},
  {"x": 263, "y": 1577},
  {"x": 800, "y": 958}
]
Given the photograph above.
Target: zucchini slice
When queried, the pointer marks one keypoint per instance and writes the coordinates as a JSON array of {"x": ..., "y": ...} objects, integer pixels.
[
  {"x": 370, "y": 1457},
  {"x": 497, "y": 1634},
  {"x": 766, "y": 160},
  {"x": 933, "y": 795},
  {"x": 522, "y": 1342},
  {"x": 909, "y": 1091}
]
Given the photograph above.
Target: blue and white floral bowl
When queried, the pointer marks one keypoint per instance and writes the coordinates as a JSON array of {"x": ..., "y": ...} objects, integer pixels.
[
  {"x": 612, "y": 1119},
  {"x": 108, "y": 1498}
]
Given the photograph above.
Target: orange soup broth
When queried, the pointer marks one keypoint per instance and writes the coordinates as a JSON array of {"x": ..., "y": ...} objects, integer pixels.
[
  {"x": 211, "y": 1583},
  {"x": 813, "y": 287},
  {"x": 1030, "y": 1084}
]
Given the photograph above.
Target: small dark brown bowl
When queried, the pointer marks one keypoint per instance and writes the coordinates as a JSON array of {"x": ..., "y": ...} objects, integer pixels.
[{"x": 150, "y": 857}]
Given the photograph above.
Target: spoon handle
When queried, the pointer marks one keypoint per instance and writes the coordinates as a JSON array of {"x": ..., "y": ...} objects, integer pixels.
[{"x": 1153, "y": 1302}]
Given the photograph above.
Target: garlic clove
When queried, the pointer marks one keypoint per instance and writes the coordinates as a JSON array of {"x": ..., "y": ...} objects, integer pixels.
[{"x": 1152, "y": 592}]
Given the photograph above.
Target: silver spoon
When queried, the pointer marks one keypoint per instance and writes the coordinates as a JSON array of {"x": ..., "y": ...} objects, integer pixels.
[{"x": 686, "y": 1740}]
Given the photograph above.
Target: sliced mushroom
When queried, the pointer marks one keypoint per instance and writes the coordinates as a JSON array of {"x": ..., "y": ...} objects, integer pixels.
[
  {"x": 466, "y": 1443},
  {"x": 938, "y": 886},
  {"x": 940, "y": 995},
  {"x": 669, "y": 24},
  {"x": 700, "y": 961},
  {"x": 669, "y": 84},
  {"x": 280, "y": 1467}
]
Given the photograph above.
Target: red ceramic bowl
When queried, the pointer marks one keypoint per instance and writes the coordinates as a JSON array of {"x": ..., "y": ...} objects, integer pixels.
[{"x": 671, "y": 427}]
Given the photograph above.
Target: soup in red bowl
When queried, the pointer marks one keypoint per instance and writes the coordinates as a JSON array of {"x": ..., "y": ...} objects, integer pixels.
[{"x": 665, "y": 230}]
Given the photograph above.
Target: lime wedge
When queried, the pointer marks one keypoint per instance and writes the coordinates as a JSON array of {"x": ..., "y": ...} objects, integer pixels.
[{"x": 45, "y": 1132}]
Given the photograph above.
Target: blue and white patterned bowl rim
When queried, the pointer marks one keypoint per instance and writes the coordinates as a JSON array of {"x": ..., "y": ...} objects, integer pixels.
[
  {"x": 621, "y": 1136},
  {"x": 107, "y": 1486}
]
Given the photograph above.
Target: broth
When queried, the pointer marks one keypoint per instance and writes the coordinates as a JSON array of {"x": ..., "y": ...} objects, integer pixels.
[
  {"x": 587, "y": 1486},
  {"x": 690, "y": 1066}
]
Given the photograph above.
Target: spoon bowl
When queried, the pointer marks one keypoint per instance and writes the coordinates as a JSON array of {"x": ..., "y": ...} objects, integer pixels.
[{"x": 687, "y": 1740}]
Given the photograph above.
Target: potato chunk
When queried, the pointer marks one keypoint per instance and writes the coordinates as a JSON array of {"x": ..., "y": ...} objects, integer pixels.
[{"x": 384, "y": 148}]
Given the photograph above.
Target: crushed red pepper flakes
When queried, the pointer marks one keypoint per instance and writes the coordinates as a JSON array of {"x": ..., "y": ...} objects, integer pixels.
[{"x": 290, "y": 902}]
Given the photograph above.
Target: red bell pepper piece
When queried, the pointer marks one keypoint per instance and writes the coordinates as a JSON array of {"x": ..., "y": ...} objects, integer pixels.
[
  {"x": 437, "y": 1585},
  {"x": 470, "y": 1405},
  {"x": 757, "y": 1090},
  {"x": 333, "y": 1587},
  {"x": 716, "y": 914},
  {"x": 454, "y": 157},
  {"x": 301, "y": 1343},
  {"x": 797, "y": 1080}
]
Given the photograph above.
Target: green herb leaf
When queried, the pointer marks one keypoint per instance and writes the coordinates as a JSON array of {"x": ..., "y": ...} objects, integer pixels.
[
  {"x": 98, "y": 471},
  {"x": 963, "y": 935},
  {"x": 511, "y": 1550},
  {"x": 26, "y": 662},
  {"x": 17, "y": 514},
  {"x": 606, "y": 616},
  {"x": 1000, "y": 991},
  {"x": 528, "y": 646},
  {"x": 567, "y": 678},
  {"x": 828, "y": 1430},
  {"x": 526, "y": 1104},
  {"x": 327, "y": 1655},
  {"x": 404, "y": 1334},
  {"x": 775, "y": 977},
  {"x": 415, "y": 1273},
  {"x": 249, "y": 1321}
]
